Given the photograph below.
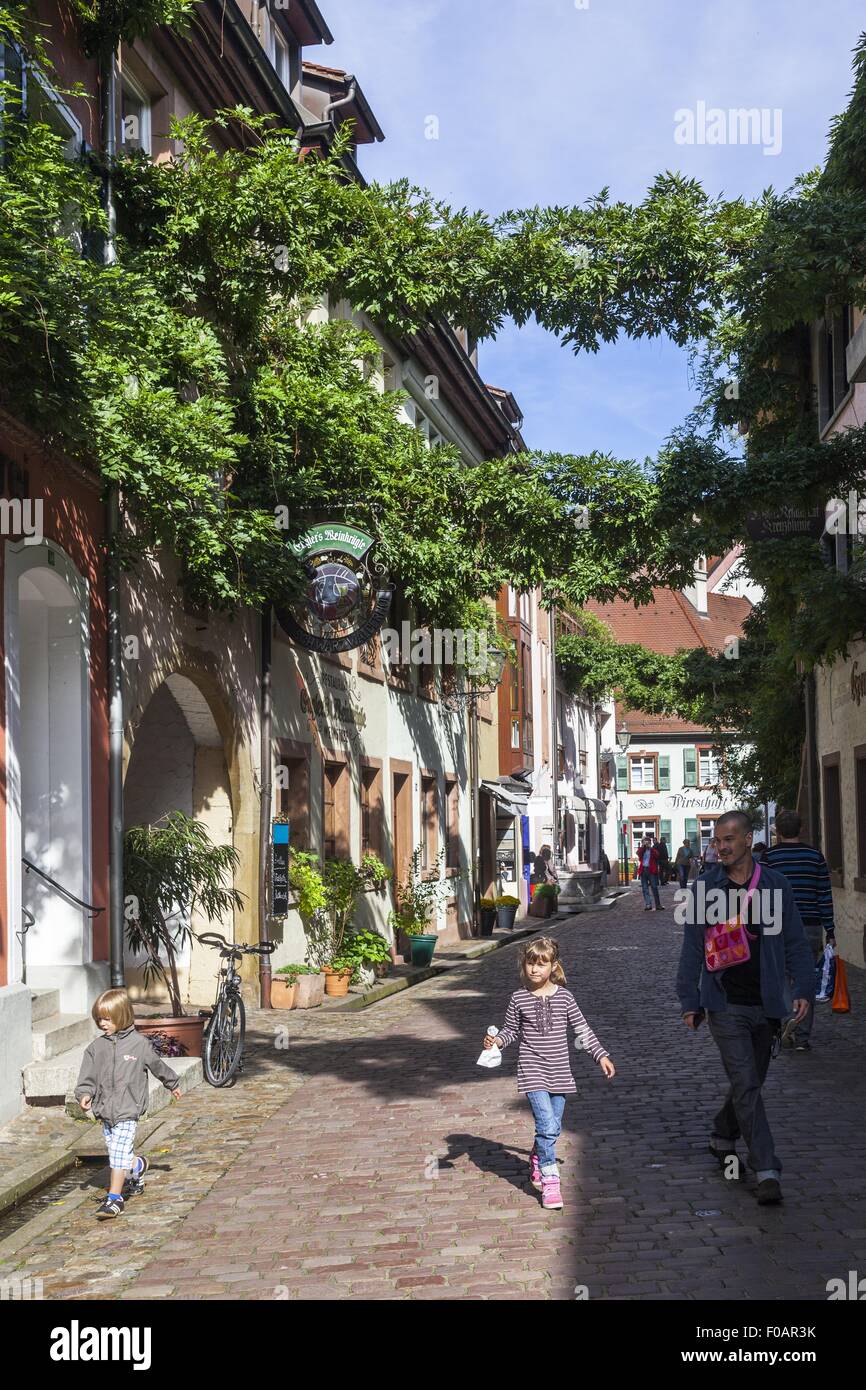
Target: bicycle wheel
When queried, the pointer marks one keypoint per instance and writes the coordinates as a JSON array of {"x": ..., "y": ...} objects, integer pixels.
[{"x": 224, "y": 1041}]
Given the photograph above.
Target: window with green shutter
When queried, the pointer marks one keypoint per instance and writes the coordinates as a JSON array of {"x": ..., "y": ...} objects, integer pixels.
[
  {"x": 664, "y": 773},
  {"x": 665, "y": 832},
  {"x": 621, "y": 773},
  {"x": 694, "y": 838},
  {"x": 690, "y": 767}
]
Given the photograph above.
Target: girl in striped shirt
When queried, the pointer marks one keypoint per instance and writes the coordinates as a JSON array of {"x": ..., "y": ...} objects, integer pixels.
[{"x": 539, "y": 1015}]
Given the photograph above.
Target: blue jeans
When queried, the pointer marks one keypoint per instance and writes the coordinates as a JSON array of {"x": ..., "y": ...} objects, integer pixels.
[
  {"x": 547, "y": 1110},
  {"x": 645, "y": 881},
  {"x": 683, "y": 871}
]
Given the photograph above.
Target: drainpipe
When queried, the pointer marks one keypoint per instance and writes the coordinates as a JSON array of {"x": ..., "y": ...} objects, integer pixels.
[
  {"x": 812, "y": 763},
  {"x": 266, "y": 795},
  {"x": 108, "y": 107},
  {"x": 554, "y": 737},
  {"x": 344, "y": 101},
  {"x": 474, "y": 808}
]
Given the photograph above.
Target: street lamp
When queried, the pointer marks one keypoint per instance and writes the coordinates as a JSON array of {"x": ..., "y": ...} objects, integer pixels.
[
  {"x": 623, "y": 738},
  {"x": 478, "y": 683}
]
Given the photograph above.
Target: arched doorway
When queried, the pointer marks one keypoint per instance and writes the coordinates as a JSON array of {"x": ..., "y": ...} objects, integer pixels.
[
  {"x": 49, "y": 813},
  {"x": 178, "y": 764}
]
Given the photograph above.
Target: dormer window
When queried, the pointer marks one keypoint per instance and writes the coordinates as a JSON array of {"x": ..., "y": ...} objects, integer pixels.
[{"x": 284, "y": 55}]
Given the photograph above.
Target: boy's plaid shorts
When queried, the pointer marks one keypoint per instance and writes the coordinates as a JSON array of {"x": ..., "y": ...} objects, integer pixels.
[{"x": 120, "y": 1140}]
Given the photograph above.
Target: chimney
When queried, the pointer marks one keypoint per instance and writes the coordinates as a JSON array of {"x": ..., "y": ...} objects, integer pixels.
[{"x": 696, "y": 593}]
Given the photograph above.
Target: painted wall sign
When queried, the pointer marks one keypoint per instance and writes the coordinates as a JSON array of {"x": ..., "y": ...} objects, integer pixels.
[
  {"x": 347, "y": 596},
  {"x": 787, "y": 521},
  {"x": 858, "y": 685},
  {"x": 279, "y": 868}
]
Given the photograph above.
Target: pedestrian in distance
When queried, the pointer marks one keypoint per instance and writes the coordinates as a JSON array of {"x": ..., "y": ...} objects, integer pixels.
[
  {"x": 683, "y": 862},
  {"x": 661, "y": 848},
  {"x": 544, "y": 871},
  {"x": 710, "y": 854},
  {"x": 538, "y": 1016},
  {"x": 112, "y": 1084},
  {"x": 806, "y": 870},
  {"x": 646, "y": 868},
  {"x": 746, "y": 1001},
  {"x": 759, "y": 849}
]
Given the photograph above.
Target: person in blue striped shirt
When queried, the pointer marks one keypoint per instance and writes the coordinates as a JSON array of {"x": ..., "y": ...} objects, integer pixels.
[{"x": 807, "y": 872}]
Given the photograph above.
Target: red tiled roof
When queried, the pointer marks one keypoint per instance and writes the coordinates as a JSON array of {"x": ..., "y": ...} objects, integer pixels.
[{"x": 667, "y": 625}]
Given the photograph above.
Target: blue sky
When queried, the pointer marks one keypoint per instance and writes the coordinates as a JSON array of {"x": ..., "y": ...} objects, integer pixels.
[{"x": 547, "y": 101}]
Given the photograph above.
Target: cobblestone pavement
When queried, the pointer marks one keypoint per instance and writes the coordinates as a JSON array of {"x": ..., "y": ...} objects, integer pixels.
[{"x": 371, "y": 1158}]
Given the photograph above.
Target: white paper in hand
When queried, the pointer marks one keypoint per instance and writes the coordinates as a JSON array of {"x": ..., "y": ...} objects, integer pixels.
[{"x": 491, "y": 1056}]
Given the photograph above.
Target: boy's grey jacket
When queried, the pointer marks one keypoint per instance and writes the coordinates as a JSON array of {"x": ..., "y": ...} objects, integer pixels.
[
  {"x": 783, "y": 954},
  {"x": 114, "y": 1072}
]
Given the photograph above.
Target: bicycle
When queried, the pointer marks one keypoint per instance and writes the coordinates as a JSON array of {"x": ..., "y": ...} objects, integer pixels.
[{"x": 222, "y": 1052}]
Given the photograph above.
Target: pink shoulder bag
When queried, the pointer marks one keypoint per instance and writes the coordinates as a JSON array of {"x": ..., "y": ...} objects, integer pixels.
[{"x": 727, "y": 943}]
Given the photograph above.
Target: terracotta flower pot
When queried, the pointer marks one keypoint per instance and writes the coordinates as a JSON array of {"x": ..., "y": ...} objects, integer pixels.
[
  {"x": 187, "y": 1031},
  {"x": 309, "y": 991},
  {"x": 337, "y": 982},
  {"x": 283, "y": 990}
]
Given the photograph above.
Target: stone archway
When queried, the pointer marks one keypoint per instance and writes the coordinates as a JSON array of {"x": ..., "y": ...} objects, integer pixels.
[{"x": 178, "y": 762}]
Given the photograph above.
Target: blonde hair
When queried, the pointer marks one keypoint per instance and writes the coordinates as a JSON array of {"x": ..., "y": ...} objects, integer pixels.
[
  {"x": 113, "y": 1004},
  {"x": 543, "y": 948}
]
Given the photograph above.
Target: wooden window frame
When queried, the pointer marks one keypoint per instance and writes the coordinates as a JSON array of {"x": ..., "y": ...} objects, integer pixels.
[
  {"x": 632, "y": 821},
  {"x": 655, "y": 786},
  {"x": 859, "y": 752},
  {"x": 342, "y": 838},
  {"x": 430, "y": 826},
  {"x": 712, "y": 749},
  {"x": 837, "y": 874},
  {"x": 291, "y": 751},
  {"x": 376, "y": 843},
  {"x": 453, "y": 843}
]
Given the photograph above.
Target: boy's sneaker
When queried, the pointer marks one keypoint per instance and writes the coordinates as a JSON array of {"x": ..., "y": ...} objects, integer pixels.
[
  {"x": 551, "y": 1193},
  {"x": 134, "y": 1187},
  {"x": 136, "y": 1176},
  {"x": 108, "y": 1208},
  {"x": 535, "y": 1171}
]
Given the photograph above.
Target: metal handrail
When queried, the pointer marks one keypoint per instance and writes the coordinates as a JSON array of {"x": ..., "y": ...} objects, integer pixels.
[{"x": 58, "y": 887}]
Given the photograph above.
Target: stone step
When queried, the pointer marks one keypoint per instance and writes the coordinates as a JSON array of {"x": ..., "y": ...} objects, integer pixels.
[
  {"x": 56, "y": 1078},
  {"x": 59, "y": 1032},
  {"x": 44, "y": 1002}
]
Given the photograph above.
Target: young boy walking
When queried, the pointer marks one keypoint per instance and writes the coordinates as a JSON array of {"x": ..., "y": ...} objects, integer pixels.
[{"x": 113, "y": 1084}]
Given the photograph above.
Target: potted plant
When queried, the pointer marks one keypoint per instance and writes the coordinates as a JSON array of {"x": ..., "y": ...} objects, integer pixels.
[
  {"x": 372, "y": 955},
  {"x": 417, "y": 901},
  {"x": 488, "y": 916},
  {"x": 506, "y": 911},
  {"x": 544, "y": 900},
  {"x": 170, "y": 869},
  {"x": 284, "y": 985},
  {"x": 327, "y": 897},
  {"x": 309, "y": 987}
]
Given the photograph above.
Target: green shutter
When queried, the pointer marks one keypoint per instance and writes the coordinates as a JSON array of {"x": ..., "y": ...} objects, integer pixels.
[
  {"x": 664, "y": 773},
  {"x": 693, "y": 836},
  {"x": 665, "y": 833},
  {"x": 621, "y": 773},
  {"x": 690, "y": 767}
]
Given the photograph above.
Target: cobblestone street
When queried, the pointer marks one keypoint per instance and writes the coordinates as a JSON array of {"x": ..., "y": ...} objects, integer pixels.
[{"x": 371, "y": 1157}]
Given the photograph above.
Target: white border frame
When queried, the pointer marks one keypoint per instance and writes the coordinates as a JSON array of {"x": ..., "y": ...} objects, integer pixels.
[{"x": 20, "y": 558}]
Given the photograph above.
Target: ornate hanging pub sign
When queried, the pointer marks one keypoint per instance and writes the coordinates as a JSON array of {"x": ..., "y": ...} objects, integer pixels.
[{"x": 347, "y": 596}]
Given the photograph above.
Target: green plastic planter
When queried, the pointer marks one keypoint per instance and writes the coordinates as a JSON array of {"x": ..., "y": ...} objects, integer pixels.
[{"x": 423, "y": 947}]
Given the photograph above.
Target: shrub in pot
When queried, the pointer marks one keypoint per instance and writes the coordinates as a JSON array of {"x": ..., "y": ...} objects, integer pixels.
[
  {"x": 488, "y": 916},
  {"x": 544, "y": 900},
  {"x": 371, "y": 954},
  {"x": 417, "y": 900},
  {"x": 506, "y": 911},
  {"x": 171, "y": 869},
  {"x": 327, "y": 897}
]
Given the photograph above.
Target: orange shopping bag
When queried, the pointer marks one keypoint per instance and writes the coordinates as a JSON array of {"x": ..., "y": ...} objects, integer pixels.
[{"x": 841, "y": 999}]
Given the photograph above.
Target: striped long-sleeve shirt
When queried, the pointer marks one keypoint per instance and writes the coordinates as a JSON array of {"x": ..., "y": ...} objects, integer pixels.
[
  {"x": 541, "y": 1025},
  {"x": 806, "y": 870}
]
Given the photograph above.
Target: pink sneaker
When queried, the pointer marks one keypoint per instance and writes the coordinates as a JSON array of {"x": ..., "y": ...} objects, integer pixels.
[
  {"x": 551, "y": 1194},
  {"x": 535, "y": 1170}
]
